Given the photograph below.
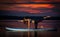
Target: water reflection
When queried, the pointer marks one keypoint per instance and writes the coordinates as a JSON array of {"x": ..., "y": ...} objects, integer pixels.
[{"x": 25, "y": 34}]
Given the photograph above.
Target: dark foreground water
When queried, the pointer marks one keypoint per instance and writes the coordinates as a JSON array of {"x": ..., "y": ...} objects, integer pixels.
[{"x": 31, "y": 34}]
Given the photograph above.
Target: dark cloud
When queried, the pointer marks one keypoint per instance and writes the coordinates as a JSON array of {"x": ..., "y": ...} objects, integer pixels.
[
  {"x": 23, "y": 13},
  {"x": 22, "y": 1}
]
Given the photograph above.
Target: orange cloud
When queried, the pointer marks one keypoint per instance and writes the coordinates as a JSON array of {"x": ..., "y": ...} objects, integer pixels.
[
  {"x": 36, "y": 5},
  {"x": 30, "y": 8}
]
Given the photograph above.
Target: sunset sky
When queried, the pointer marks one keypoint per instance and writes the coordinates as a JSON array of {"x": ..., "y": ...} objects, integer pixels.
[
  {"x": 27, "y": 9},
  {"x": 31, "y": 8},
  {"x": 20, "y": 1}
]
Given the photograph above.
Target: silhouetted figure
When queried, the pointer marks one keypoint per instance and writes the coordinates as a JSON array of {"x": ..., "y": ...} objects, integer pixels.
[{"x": 37, "y": 20}]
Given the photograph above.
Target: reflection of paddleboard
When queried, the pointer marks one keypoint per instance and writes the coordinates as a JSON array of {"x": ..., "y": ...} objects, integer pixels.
[{"x": 41, "y": 29}]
